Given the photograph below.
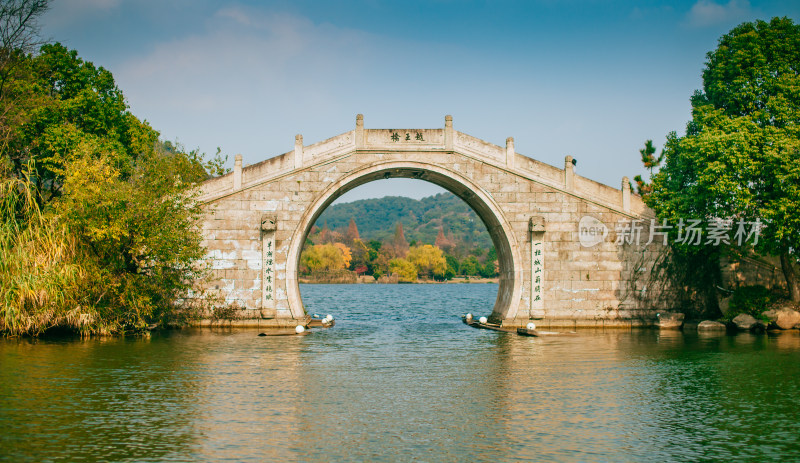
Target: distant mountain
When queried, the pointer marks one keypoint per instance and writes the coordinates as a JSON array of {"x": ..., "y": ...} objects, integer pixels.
[{"x": 377, "y": 218}]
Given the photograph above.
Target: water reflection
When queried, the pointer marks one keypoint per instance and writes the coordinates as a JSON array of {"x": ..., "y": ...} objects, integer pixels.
[
  {"x": 401, "y": 378},
  {"x": 95, "y": 399},
  {"x": 250, "y": 396}
]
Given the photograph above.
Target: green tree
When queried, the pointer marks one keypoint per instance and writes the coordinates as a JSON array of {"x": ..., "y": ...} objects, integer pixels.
[
  {"x": 740, "y": 158},
  {"x": 650, "y": 161},
  {"x": 19, "y": 36},
  {"x": 470, "y": 266},
  {"x": 19, "y": 33},
  {"x": 102, "y": 198},
  {"x": 71, "y": 104},
  {"x": 489, "y": 270},
  {"x": 452, "y": 262},
  {"x": 364, "y": 255}
]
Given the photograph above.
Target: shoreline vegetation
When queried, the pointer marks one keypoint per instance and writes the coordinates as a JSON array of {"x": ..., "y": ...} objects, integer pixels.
[
  {"x": 437, "y": 238},
  {"x": 388, "y": 280},
  {"x": 334, "y": 257},
  {"x": 99, "y": 225}
]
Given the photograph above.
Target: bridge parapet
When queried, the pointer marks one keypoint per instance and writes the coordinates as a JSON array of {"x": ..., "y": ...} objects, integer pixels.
[
  {"x": 414, "y": 140},
  {"x": 470, "y": 145},
  {"x": 329, "y": 149}
]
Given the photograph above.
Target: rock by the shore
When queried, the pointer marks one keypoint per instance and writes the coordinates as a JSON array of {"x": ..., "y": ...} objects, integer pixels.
[
  {"x": 690, "y": 325},
  {"x": 745, "y": 322},
  {"x": 771, "y": 315},
  {"x": 670, "y": 320},
  {"x": 709, "y": 325},
  {"x": 784, "y": 318},
  {"x": 724, "y": 305}
]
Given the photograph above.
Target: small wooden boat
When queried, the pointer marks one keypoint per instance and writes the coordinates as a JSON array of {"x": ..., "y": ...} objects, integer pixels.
[
  {"x": 526, "y": 332},
  {"x": 321, "y": 323},
  {"x": 541, "y": 333},
  {"x": 487, "y": 326},
  {"x": 283, "y": 332}
]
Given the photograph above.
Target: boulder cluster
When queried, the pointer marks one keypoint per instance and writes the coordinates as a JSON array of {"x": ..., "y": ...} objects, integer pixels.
[{"x": 781, "y": 318}]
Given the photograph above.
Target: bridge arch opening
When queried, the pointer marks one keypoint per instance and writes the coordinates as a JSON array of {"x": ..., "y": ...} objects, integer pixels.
[{"x": 502, "y": 236}]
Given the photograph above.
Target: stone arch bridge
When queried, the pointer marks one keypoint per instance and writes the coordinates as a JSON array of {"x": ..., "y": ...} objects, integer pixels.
[{"x": 553, "y": 230}]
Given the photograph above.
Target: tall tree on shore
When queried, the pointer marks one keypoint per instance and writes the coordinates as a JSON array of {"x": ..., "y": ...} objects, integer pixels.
[
  {"x": 740, "y": 158},
  {"x": 650, "y": 161},
  {"x": 399, "y": 243},
  {"x": 352, "y": 232},
  {"x": 442, "y": 242},
  {"x": 323, "y": 257},
  {"x": 325, "y": 235}
]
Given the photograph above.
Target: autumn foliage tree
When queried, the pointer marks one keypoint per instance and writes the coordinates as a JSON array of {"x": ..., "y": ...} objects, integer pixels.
[
  {"x": 405, "y": 270},
  {"x": 325, "y": 257},
  {"x": 352, "y": 232},
  {"x": 428, "y": 260},
  {"x": 400, "y": 244}
]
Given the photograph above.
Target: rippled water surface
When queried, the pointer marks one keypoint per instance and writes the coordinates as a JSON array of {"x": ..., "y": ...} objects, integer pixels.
[{"x": 401, "y": 378}]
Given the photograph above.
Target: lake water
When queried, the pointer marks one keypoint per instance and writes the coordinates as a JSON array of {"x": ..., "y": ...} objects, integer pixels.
[{"x": 400, "y": 378}]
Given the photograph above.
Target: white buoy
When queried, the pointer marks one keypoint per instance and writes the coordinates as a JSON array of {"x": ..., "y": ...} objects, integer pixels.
[
  {"x": 468, "y": 317},
  {"x": 329, "y": 317},
  {"x": 483, "y": 320},
  {"x": 530, "y": 326},
  {"x": 299, "y": 329}
]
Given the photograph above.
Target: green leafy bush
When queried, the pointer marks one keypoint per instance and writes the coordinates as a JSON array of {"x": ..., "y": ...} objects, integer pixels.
[
  {"x": 751, "y": 300},
  {"x": 99, "y": 223}
]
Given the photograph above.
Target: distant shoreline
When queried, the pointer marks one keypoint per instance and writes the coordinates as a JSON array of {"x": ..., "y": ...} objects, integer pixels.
[{"x": 458, "y": 280}]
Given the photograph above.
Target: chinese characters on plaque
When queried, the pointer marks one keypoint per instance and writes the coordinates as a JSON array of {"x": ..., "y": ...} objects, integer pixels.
[
  {"x": 268, "y": 261},
  {"x": 536, "y": 229},
  {"x": 537, "y": 275},
  {"x": 268, "y": 268},
  {"x": 397, "y": 136}
]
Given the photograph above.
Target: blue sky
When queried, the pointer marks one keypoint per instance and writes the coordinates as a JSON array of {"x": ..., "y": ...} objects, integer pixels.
[{"x": 592, "y": 79}]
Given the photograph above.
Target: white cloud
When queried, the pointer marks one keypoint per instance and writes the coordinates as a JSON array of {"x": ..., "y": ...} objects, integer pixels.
[
  {"x": 707, "y": 12},
  {"x": 246, "y": 72}
]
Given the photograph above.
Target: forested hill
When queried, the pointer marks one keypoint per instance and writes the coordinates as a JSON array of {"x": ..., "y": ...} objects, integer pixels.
[{"x": 377, "y": 218}]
